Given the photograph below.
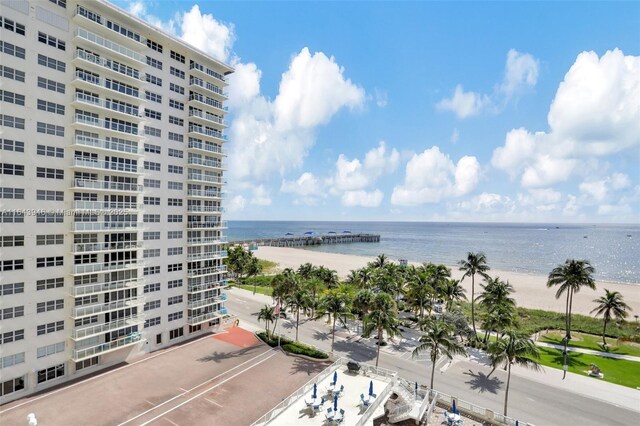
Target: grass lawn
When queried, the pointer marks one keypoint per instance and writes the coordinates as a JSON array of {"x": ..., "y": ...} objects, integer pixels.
[
  {"x": 590, "y": 341},
  {"x": 620, "y": 372},
  {"x": 262, "y": 290},
  {"x": 268, "y": 267}
]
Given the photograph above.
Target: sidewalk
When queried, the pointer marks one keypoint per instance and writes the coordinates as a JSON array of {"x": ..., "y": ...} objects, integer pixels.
[
  {"x": 590, "y": 352},
  {"x": 610, "y": 393}
]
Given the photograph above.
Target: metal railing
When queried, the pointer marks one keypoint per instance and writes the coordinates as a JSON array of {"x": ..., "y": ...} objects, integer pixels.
[
  {"x": 79, "y": 354},
  {"x": 108, "y": 44},
  {"x": 195, "y": 81},
  {"x": 206, "y": 271},
  {"x": 104, "y": 246},
  {"x": 193, "y": 112},
  {"x": 201, "y": 193},
  {"x": 131, "y": 148},
  {"x": 105, "y": 205},
  {"x": 466, "y": 407},
  {"x": 83, "y": 311},
  {"x": 87, "y": 289},
  {"x": 207, "y": 240},
  {"x": 85, "y": 332},
  {"x": 204, "y": 318},
  {"x": 130, "y": 110},
  {"x": 207, "y": 255},
  {"x": 106, "y": 226},
  {"x": 209, "y": 147},
  {"x": 108, "y": 64},
  {"x": 204, "y": 302},
  {"x": 114, "y": 126},
  {"x": 88, "y": 268},
  {"x": 107, "y": 185},
  {"x": 108, "y": 166}
]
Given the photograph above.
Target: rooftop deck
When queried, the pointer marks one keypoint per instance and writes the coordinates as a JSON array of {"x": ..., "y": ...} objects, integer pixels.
[{"x": 294, "y": 411}]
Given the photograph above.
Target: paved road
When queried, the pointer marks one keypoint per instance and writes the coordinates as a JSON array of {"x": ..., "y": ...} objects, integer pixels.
[{"x": 534, "y": 401}]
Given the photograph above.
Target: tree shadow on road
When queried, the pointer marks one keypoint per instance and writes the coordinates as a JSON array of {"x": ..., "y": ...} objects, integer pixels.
[
  {"x": 289, "y": 325},
  {"x": 310, "y": 368},
  {"x": 321, "y": 335},
  {"x": 482, "y": 383},
  {"x": 221, "y": 356},
  {"x": 355, "y": 351}
]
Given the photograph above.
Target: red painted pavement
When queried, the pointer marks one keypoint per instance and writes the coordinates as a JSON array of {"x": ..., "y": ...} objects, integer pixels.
[{"x": 238, "y": 337}]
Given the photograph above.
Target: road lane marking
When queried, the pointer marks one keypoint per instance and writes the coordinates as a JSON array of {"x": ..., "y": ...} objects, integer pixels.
[{"x": 173, "y": 423}]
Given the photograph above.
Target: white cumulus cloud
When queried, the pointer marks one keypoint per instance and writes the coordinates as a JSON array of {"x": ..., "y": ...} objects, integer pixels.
[
  {"x": 355, "y": 174},
  {"x": 521, "y": 71},
  {"x": 362, "y": 198},
  {"x": 432, "y": 176},
  {"x": 464, "y": 104},
  {"x": 261, "y": 196}
]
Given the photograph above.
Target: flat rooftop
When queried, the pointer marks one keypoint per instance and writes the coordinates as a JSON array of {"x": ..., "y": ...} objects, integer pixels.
[
  {"x": 225, "y": 379},
  {"x": 294, "y": 411}
]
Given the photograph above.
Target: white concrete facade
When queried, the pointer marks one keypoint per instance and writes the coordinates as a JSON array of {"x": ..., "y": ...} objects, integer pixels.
[{"x": 111, "y": 161}]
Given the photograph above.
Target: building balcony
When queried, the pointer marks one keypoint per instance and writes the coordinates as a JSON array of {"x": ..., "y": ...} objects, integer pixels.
[
  {"x": 207, "y": 271},
  {"x": 92, "y": 268},
  {"x": 91, "y": 18},
  {"x": 200, "y": 177},
  {"x": 101, "y": 85},
  {"x": 196, "y": 99},
  {"x": 208, "y": 148},
  {"x": 84, "y": 58},
  {"x": 112, "y": 246},
  {"x": 206, "y": 241},
  {"x": 216, "y": 164},
  {"x": 205, "y": 302},
  {"x": 195, "y": 320},
  {"x": 207, "y": 255},
  {"x": 207, "y": 117},
  {"x": 107, "y": 166},
  {"x": 104, "y": 105},
  {"x": 100, "y": 288},
  {"x": 109, "y": 47},
  {"x": 131, "y": 339},
  {"x": 101, "y": 185},
  {"x": 205, "y": 209},
  {"x": 195, "y": 82},
  {"x": 97, "y": 329},
  {"x": 194, "y": 66},
  {"x": 101, "y": 308},
  {"x": 109, "y": 126},
  {"x": 197, "y": 193},
  {"x": 210, "y": 133},
  {"x": 106, "y": 226},
  {"x": 131, "y": 147},
  {"x": 207, "y": 225},
  {"x": 106, "y": 205},
  {"x": 198, "y": 288}
]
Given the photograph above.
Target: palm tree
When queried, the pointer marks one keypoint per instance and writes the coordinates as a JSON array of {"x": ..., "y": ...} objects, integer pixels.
[
  {"x": 476, "y": 263},
  {"x": 314, "y": 286},
  {"x": 380, "y": 262},
  {"x": 334, "y": 305},
  {"x": 297, "y": 301},
  {"x": 365, "y": 278},
  {"x": 513, "y": 349},
  {"x": 267, "y": 315},
  {"x": 439, "y": 340},
  {"x": 611, "y": 305},
  {"x": 419, "y": 294},
  {"x": 570, "y": 277},
  {"x": 383, "y": 317},
  {"x": 453, "y": 291},
  {"x": 306, "y": 271}
]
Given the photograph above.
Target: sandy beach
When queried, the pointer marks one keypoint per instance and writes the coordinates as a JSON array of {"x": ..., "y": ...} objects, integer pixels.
[{"x": 531, "y": 290}]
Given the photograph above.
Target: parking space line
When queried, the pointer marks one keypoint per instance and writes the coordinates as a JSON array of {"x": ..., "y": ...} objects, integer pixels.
[
  {"x": 173, "y": 423},
  {"x": 213, "y": 402}
]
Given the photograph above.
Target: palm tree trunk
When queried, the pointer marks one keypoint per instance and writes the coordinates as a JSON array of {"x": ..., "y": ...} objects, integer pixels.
[
  {"x": 473, "y": 305},
  {"x": 433, "y": 371},
  {"x": 486, "y": 335},
  {"x": 506, "y": 392},
  {"x": 297, "y": 323},
  {"x": 275, "y": 324},
  {"x": 333, "y": 333},
  {"x": 604, "y": 330},
  {"x": 570, "y": 308},
  {"x": 379, "y": 341}
]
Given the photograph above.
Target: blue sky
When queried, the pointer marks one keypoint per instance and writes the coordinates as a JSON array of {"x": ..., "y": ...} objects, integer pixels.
[{"x": 483, "y": 111}]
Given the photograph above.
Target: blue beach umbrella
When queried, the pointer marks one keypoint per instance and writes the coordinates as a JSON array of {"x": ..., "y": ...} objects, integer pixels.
[
  {"x": 335, "y": 403},
  {"x": 315, "y": 391},
  {"x": 453, "y": 409},
  {"x": 371, "y": 388},
  {"x": 335, "y": 377}
]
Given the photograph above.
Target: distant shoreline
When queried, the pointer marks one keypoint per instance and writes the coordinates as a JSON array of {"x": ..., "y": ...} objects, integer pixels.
[{"x": 531, "y": 290}]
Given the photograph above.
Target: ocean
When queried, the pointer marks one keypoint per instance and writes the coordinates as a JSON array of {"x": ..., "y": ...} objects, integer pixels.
[{"x": 530, "y": 248}]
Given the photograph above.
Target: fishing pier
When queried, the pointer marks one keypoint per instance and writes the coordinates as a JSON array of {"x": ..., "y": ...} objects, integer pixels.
[{"x": 310, "y": 240}]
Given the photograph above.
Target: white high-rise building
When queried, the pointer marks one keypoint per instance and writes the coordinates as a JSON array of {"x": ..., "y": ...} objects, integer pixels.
[{"x": 111, "y": 175}]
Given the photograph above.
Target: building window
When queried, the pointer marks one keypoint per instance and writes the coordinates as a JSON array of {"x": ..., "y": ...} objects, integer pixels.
[
  {"x": 11, "y": 217},
  {"x": 11, "y": 288},
  {"x": 147, "y": 253},
  {"x": 61, "y": 3},
  {"x": 154, "y": 63},
  {"x": 50, "y": 129},
  {"x": 178, "y": 57},
  {"x": 50, "y": 151},
  {"x": 173, "y": 235},
  {"x": 52, "y": 349},
  {"x": 45, "y": 195},
  {"x": 151, "y": 322},
  {"x": 175, "y": 88},
  {"x": 174, "y": 334},
  {"x": 11, "y": 169},
  {"x": 13, "y": 74},
  {"x": 151, "y": 270},
  {"x": 176, "y": 72},
  {"x": 152, "y": 114},
  {"x": 11, "y": 121},
  {"x": 13, "y": 26},
  {"x": 12, "y": 312},
  {"x": 49, "y": 283},
  {"x": 11, "y": 336},
  {"x": 151, "y": 165},
  {"x": 50, "y": 107},
  {"x": 174, "y": 218},
  {"x": 154, "y": 304},
  {"x": 51, "y": 305},
  {"x": 175, "y": 185},
  {"x": 54, "y": 64},
  {"x": 153, "y": 149},
  {"x": 151, "y": 218},
  {"x": 175, "y": 169},
  {"x": 11, "y": 145},
  {"x": 10, "y": 360},
  {"x": 151, "y": 201},
  {"x": 154, "y": 97},
  {"x": 12, "y": 385},
  {"x": 151, "y": 183},
  {"x": 11, "y": 49},
  {"x": 48, "y": 262},
  {"x": 11, "y": 193},
  {"x": 174, "y": 283},
  {"x": 50, "y": 373},
  {"x": 12, "y": 98},
  {"x": 154, "y": 46},
  {"x": 174, "y": 267},
  {"x": 176, "y": 137},
  {"x": 151, "y": 235},
  {"x": 150, "y": 288},
  {"x": 174, "y": 300},
  {"x": 12, "y": 265},
  {"x": 49, "y": 217},
  {"x": 12, "y": 241},
  {"x": 152, "y": 131},
  {"x": 47, "y": 173},
  {"x": 87, "y": 363},
  {"x": 174, "y": 202},
  {"x": 174, "y": 316},
  {"x": 175, "y": 120},
  {"x": 51, "y": 327},
  {"x": 49, "y": 240},
  {"x": 174, "y": 251},
  {"x": 153, "y": 79}
]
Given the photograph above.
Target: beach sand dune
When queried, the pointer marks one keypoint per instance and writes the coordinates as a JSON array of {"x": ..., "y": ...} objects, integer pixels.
[{"x": 531, "y": 290}]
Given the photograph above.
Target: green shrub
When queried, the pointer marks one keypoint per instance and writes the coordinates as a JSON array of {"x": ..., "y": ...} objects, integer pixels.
[
  {"x": 260, "y": 281},
  {"x": 301, "y": 349},
  {"x": 272, "y": 340}
]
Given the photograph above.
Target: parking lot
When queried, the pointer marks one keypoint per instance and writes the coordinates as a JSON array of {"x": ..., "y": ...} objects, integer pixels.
[{"x": 226, "y": 379}]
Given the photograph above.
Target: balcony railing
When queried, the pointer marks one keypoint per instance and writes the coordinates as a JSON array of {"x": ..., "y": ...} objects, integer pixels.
[
  {"x": 207, "y": 116},
  {"x": 130, "y": 91},
  {"x": 105, "y": 205},
  {"x": 202, "y": 162},
  {"x": 109, "y": 45},
  {"x": 80, "y": 354},
  {"x": 204, "y": 318},
  {"x": 205, "y": 209},
  {"x": 205, "y": 178},
  {"x": 195, "y": 81},
  {"x": 197, "y": 97},
  {"x": 129, "y": 148},
  {"x": 99, "y": 308},
  {"x": 89, "y": 268},
  {"x": 129, "y": 110},
  {"x": 207, "y": 240},
  {"x": 201, "y": 193},
  {"x": 207, "y": 255},
  {"x": 205, "y": 302},
  {"x": 97, "y": 288},
  {"x": 108, "y": 64},
  {"x": 106, "y": 185},
  {"x": 111, "y": 246},
  {"x": 114, "y": 126},
  {"x": 207, "y": 271},
  {"x": 195, "y": 288},
  {"x": 207, "y": 225},
  {"x": 207, "y": 71},
  {"x": 207, "y": 132},
  {"x": 106, "y": 226},
  {"x": 206, "y": 147},
  {"x": 110, "y": 166},
  {"x": 93, "y": 330}
]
